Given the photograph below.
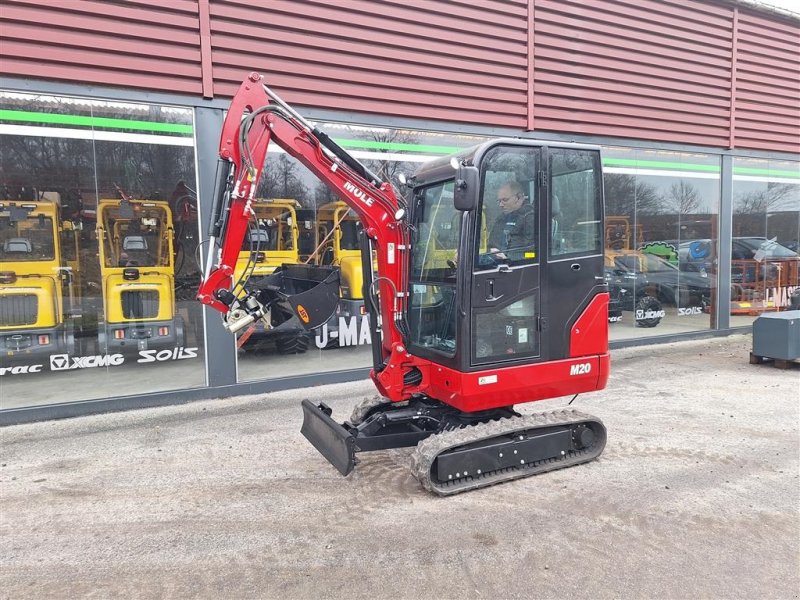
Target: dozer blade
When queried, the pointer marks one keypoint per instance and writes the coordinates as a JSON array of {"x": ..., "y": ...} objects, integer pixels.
[{"x": 332, "y": 440}]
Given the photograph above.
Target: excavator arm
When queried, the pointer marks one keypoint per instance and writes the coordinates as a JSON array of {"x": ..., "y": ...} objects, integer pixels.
[{"x": 257, "y": 116}]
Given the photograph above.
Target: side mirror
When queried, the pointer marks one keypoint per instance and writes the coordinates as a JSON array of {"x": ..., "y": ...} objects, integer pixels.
[{"x": 465, "y": 192}]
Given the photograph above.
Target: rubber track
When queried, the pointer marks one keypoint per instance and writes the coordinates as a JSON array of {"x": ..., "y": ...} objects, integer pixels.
[
  {"x": 363, "y": 408},
  {"x": 428, "y": 449}
]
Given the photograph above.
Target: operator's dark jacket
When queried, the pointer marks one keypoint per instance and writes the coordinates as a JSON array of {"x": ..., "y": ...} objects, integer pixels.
[{"x": 514, "y": 231}]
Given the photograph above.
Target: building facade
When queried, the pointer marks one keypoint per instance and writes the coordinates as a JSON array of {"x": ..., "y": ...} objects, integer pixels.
[{"x": 109, "y": 122}]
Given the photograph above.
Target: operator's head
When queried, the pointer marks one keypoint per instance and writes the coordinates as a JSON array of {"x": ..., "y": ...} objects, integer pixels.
[{"x": 510, "y": 197}]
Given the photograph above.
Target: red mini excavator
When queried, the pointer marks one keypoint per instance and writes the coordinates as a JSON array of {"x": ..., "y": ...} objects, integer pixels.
[{"x": 489, "y": 292}]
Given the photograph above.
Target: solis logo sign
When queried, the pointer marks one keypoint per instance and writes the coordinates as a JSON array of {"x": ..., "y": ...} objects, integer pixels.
[{"x": 150, "y": 356}]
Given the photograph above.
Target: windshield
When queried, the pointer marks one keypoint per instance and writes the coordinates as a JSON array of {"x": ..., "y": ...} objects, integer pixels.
[
  {"x": 350, "y": 229},
  {"x": 643, "y": 262},
  {"x": 27, "y": 240},
  {"x": 272, "y": 230},
  {"x": 769, "y": 248},
  {"x": 438, "y": 230},
  {"x": 431, "y": 312},
  {"x": 135, "y": 241}
]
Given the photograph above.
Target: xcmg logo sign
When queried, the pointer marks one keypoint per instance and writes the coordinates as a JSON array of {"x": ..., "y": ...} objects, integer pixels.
[{"x": 64, "y": 362}]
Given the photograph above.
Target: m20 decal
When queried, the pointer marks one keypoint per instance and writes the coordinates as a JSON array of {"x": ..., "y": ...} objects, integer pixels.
[{"x": 580, "y": 369}]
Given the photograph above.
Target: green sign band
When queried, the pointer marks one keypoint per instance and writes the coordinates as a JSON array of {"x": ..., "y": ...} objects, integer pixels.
[
  {"x": 183, "y": 129},
  {"x": 99, "y": 122}
]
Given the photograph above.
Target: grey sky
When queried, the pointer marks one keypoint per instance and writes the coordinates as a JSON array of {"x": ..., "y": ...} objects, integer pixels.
[{"x": 792, "y": 5}]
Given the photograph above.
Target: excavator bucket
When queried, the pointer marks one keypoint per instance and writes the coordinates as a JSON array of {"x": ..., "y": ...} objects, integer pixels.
[
  {"x": 332, "y": 440},
  {"x": 308, "y": 292}
]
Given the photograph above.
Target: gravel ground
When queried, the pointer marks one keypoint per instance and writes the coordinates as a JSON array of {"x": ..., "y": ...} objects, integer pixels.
[{"x": 696, "y": 495}]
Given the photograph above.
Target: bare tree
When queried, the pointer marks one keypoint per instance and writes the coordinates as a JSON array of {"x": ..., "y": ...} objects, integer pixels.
[
  {"x": 777, "y": 196},
  {"x": 625, "y": 196},
  {"x": 388, "y": 170},
  {"x": 322, "y": 195},
  {"x": 683, "y": 199},
  {"x": 282, "y": 179},
  {"x": 46, "y": 164}
]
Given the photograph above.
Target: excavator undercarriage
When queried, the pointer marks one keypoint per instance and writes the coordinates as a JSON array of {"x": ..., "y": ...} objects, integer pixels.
[{"x": 457, "y": 451}]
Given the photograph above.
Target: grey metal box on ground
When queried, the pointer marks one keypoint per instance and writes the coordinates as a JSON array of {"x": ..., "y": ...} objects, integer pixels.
[{"x": 777, "y": 335}]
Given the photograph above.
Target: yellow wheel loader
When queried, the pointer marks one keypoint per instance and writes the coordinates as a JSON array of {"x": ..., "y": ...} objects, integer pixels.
[
  {"x": 337, "y": 245},
  {"x": 138, "y": 276},
  {"x": 38, "y": 280},
  {"x": 270, "y": 241}
]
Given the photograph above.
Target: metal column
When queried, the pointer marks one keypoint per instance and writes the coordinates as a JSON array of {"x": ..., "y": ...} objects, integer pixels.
[
  {"x": 220, "y": 350},
  {"x": 725, "y": 241}
]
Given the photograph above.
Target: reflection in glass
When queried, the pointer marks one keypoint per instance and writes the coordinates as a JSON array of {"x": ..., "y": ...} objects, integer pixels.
[
  {"x": 100, "y": 212},
  {"x": 766, "y": 237},
  {"x": 661, "y": 240},
  {"x": 328, "y": 233},
  {"x": 36, "y": 286}
]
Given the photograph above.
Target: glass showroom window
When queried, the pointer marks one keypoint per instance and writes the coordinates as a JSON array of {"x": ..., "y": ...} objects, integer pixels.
[
  {"x": 661, "y": 240},
  {"x": 766, "y": 237},
  {"x": 98, "y": 233},
  {"x": 300, "y": 220}
]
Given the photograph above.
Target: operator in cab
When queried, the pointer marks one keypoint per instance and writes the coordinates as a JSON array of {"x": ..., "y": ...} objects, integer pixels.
[{"x": 513, "y": 235}]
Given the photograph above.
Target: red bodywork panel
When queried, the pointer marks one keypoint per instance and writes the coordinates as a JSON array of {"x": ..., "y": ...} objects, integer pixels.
[
  {"x": 494, "y": 388},
  {"x": 589, "y": 334},
  {"x": 586, "y": 370}
]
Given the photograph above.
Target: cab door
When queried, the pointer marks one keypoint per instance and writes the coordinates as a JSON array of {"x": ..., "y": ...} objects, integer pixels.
[
  {"x": 573, "y": 264},
  {"x": 506, "y": 280}
]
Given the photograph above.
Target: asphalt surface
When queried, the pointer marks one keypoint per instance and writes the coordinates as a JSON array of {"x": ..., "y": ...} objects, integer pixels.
[{"x": 697, "y": 495}]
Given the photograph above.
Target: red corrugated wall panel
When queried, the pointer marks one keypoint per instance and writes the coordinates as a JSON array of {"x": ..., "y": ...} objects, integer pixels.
[
  {"x": 649, "y": 69},
  {"x": 456, "y": 61},
  {"x": 658, "y": 70},
  {"x": 147, "y": 44},
  {"x": 767, "y": 101}
]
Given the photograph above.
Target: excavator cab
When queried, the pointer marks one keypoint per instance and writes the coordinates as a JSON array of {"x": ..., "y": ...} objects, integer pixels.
[
  {"x": 37, "y": 281},
  {"x": 514, "y": 300}
]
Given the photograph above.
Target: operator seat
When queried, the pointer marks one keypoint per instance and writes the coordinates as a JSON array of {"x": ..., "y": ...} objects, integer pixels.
[
  {"x": 256, "y": 239},
  {"x": 17, "y": 245},
  {"x": 135, "y": 246}
]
